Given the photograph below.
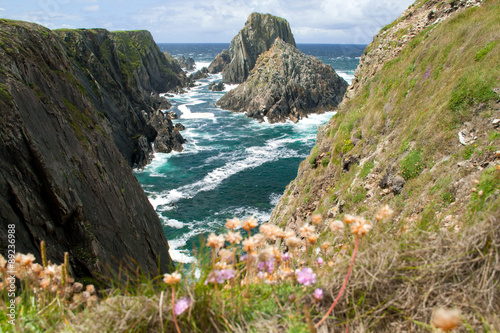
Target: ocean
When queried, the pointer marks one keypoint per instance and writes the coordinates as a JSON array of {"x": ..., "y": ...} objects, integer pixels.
[{"x": 231, "y": 166}]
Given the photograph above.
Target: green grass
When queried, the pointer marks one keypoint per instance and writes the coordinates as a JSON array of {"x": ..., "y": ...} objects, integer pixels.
[{"x": 412, "y": 165}]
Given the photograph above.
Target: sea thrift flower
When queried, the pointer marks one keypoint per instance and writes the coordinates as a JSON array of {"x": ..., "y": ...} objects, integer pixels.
[
  {"x": 270, "y": 266},
  {"x": 306, "y": 230},
  {"x": 259, "y": 239},
  {"x": 271, "y": 231},
  {"x": 220, "y": 276},
  {"x": 361, "y": 227},
  {"x": 249, "y": 223},
  {"x": 348, "y": 219},
  {"x": 260, "y": 266},
  {"x": 320, "y": 261},
  {"x": 249, "y": 244},
  {"x": 312, "y": 238},
  {"x": 232, "y": 223},
  {"x": 337, "y": 226},
  {"x": 27, "y": 259},
  {"x": 91, "y": 289},
  {"x": 384, "y": 212},
  {"x": 293, "y": 242},
  {"x": 316, "y": 219},
  {"x": 446, "y": 319},
  {"x": 234, "y": 237},
  {"x": 226, "y": 255},
  {"x": 173, "y": 278},
  {"x": 288, "y": 234},
  {"x": 244, "y": 257},
  {"x": 182, "y": 305},
  {"x": 260, "y": 275},
  {"x": 286, "y": 256},
  {"x": 215, "y": 242},
  {"x": 306, "y": 276},
  {"x": 318, "y": 294},
  {"x": 325, "y": 246}
]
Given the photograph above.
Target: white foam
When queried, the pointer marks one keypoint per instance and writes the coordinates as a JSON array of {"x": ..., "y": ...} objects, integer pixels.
[
  {"x": 346, "y": 76},
  {"x": 187, "y": 114},
  {"x": 171, "y": 222},
  {"x": 177, "y": 254},
  {"x": 200, "y": 64},
  {"x": 274, "y": 198},
  {"x": 228, "y": 87}
]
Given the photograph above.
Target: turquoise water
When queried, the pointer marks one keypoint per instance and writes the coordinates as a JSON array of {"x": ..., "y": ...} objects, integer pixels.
[{"x": 231, "y": 166}]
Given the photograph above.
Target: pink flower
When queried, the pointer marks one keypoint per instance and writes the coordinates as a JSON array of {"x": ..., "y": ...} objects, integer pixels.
[
  {"x": 306, "y": 276},
  {"x": 220, "y": 276},
  {"x": 320, "y": 261},
  {"x": 286, "y": 256},
  {"x": 182, "y": 305},
  {"x": 318, "y": 294}
]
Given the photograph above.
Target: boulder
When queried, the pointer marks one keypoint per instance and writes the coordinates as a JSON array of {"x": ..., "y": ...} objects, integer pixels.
[
  {"x": 216, "y": 86},
  {"x": 187, "y": 63},
  {"x": 256, "y": 37}
]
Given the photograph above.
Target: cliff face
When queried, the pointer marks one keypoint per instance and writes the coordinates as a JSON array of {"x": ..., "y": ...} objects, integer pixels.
[
  {"x": 71, "y": 105},
  {"x": 133, "y": 65},
  {"x": 286, "y": 84},
  {"x": 417, "y": 128},
  {"x": 256, "y": 37}
]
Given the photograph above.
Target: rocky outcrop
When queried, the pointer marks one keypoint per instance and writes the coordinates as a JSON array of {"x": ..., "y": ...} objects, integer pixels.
[
  {"x": 70, "y": 107},
  {"x": 256, "y": 37},
  {"x": 186, "y": 63},
  {"x": 220, "y": 62},
  {"x": 169, "y": 137},
  {"x": 134, "y": 67},
  {"x": 216, "y": 86},
  {"x": 286, "y": 84}
]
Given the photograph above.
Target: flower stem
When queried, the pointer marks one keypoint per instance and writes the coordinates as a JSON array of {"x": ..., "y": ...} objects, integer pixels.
[
  {"x": 343, "y": 286},
  {"x": 173, "y": 310}
]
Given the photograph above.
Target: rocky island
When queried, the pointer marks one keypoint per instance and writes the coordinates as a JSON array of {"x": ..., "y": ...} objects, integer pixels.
[{"x": 286, "y": 84}]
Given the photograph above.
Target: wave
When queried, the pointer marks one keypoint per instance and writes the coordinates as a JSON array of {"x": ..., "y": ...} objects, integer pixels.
[
  {"x": 346, "y": 76},
  {"x": 187, "y": 114},
  {"x": 274, "y": 198}
]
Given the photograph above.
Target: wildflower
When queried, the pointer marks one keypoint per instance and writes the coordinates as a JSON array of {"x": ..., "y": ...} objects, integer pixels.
[
  {"x": 37, "y": 269},
  {"x": 325, "y": 246},
  {"x": 286, "y": 256},
  {"x": 318, "y": 294},
  {"x": 306, "y": 276},
  {"x": 312, "y": 238},
  {"x": 249, "y": 223},
  {"x": 384, "y": 212},
  {"x": 259, "y": 239},
  {"x": 27, "y": 259},
  {"x": 77, "y": 287},
  {"x": 260, "y": 266},
  {"x": 182, "y": 305},
  {"x": 91, "y": 289},
  {"x": 260, "y": 275},
  {"x": 293, "y": 242},
  {"x": 270, "y": 266},
  {"x": 173, "y": 278},
  {"x": 51, "y": 270},
  {"x": 320, "y": 261},
  {"x": 306, "y": 230},
  {"x": 220, "y": 276},
  {"x": 3, "y": 262},
  {"x": 234, "y": 237},
  {"x": 249, "y": 244},
  {"x": 225, "y": 255},
  {"x": 348, "y": 219},
  {"x": 361, "y": 227},
  {"x": 316, "y": 219},
  {"x": 266, "y": 254},
  {"x": 221, "y": 265},
  {"x": 270, "y": 231},
  {"x": 446, "y": 319},
  {"x": 232, "y": 223},
  {"x": 337, "y": 227},
  {"x": 288, "y": 234},
  {"x": 244, "y": 257},
  {"x": 215, "y": 242}
]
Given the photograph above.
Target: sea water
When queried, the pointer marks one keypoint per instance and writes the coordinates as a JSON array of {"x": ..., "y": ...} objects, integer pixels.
[{"x": 232, "y": 165}]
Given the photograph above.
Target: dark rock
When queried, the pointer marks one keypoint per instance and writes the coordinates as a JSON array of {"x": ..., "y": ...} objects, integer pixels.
[
  {"x": 72, "y": 117},
  {"x": 220, "y": 62},
  {"x": 394, "y": 183},
  {"x": 286, "y": 84},
  {"x": 216, "y": 86},
  {"x": 201, "y": 74},
  {"x": 168, "y": 137},
  {"x": 258, "y": 35},
  {"x": 180, "y": 127},
  {"x": 173, "y": 115},
  {"x": 349, "y": 161},
  {"x": 187, "y": 63}
]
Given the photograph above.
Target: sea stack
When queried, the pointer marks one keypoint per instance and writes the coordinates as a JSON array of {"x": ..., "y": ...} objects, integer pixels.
[
  {"x": 258, "y": 35},
  {"x": 286, "y": 84}
]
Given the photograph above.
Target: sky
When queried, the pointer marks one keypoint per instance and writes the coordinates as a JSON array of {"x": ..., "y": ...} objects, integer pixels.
[{"x": 213, "y": 21}]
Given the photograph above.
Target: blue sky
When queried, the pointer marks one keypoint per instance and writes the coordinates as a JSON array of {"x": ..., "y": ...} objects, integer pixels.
[{"x": 213, "y": 21}]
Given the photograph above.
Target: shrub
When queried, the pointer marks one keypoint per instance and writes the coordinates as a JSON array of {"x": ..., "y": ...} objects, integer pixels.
[{"x": 412, "y": 165}]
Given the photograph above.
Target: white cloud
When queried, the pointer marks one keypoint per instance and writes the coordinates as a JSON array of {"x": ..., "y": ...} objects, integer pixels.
[
  {"x": 2, "y": 8},
  {"x": 93, "y": 8}
]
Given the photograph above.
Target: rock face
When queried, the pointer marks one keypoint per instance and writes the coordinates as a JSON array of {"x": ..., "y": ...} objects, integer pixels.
[
  {"x": 70, "y": 107},
  {"x": 220, "y": 62},
  {"x": 186, "y": 63},
  {"x": 216, "y": 86},
  {"x": 256, "y": 37},
  {"x": 133, "y": 65},
  {"x": 286, "y": 84}
]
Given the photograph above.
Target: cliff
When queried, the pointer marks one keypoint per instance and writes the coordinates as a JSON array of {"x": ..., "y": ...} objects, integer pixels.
[
  {"x": 286, "y": 84},
  {"x": 256, "y": 37},
  {"x": 73, "y": 107}
]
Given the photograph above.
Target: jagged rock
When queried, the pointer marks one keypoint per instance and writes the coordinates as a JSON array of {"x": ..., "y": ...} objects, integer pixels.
[
  {"x": 187, "y": 63},
  {"x": 173, "y": 115},
  {"x": 495, "y": 123},
  {"x": 258, "y": 35},
  {"x": 216, "y": 86},
  {"x": 201, "y": 74},
  {"x": 220, "y": 62},
  {"x": 168, "y": 137},
  {"x": 71, "y": 110},
  {"x": 392, "y": 183},
  {"x": 286, "y": 84},
  {"x": 180, "y": 127}
]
